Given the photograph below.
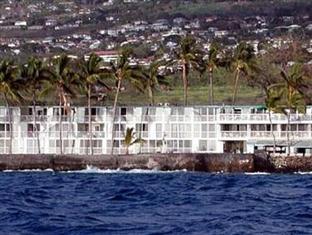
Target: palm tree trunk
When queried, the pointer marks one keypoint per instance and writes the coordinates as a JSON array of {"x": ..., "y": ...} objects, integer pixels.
[
  {"x": 211, "y": 98},
  {"x": 90, "y": 119},
  {"x": 10, "y": 123},
  {"x": 235, "y": 86},
  {"x": 35, "y": 124},
  {"x": 272, "y": 133},
  {"x": 185, "y": 85},
  {"x": 114, "y": 114},
  {"x": 287, "y": 133},
  {"x": 151, "y": 96},
  {"x": 60, "y": 124},
  {"x": 72, "y": 118}
]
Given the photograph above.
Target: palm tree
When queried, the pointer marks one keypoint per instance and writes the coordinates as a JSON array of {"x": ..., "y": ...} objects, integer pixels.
[
  {"x": 212, "y": 63},
  {"x": 9, "y": 88},
  {"x": 152, "y": 79},
  {"x": 34, "y": 72},
  {"x": 272, "y": 100},
  {"x": 130, "y": 139},
  {"x": 188, "y": 56},
  {"x": 122, "y": 71},
  {"x": 63, "y": 82},
  {"x": 91, "y": 75},
  {"x": 243, "y": 62},
  {"x": 292, "y": 99}
]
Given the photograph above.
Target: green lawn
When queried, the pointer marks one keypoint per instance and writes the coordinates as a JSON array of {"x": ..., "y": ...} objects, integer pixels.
[{"x": 198, "y": 95}]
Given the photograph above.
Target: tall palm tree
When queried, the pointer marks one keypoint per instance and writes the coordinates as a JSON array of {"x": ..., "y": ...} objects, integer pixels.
[
  {"x": 272, "y": 100},
  {"x": 188, "y": 56},
  {"x": 292, "y": 99},
  {"x": 9, "y": 88},
  {"x": 212, "y": 63},
  {"x": 243, "y": 62},
  {"x": 153, "y": 80},
  {"x": 90, "y": 76},
  {"x": 120, "y": 72},
  {"x": 33, "y": 73},
  {"x": 63, "y": 82}
]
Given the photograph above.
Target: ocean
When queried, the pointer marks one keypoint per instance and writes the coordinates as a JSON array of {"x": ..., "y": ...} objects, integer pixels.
[{"x": 151, "y": 202}]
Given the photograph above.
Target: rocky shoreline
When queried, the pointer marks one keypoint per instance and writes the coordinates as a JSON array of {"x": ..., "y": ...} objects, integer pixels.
[{"x": 227, "y": 163}]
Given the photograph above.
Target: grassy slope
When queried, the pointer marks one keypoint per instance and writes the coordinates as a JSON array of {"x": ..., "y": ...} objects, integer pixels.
[{"x": 198, "y": 95}]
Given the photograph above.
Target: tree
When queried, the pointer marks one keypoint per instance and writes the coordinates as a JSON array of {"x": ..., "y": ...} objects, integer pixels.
[
  {"x": 9, "y": 88},
  {"x": 188, "y": 56},
  {"x": 212, "y": 63},
  {"x": 272, "y": 100},
  {"x": 243, "y": 62},
  {"x": 152, "y": 79},
  {"x": 90, "y": 76},
  {"x": 33, "y": 73},
  {"x": 122, "y": 71},
  {"x": 63, "y": 82},
  {"x": 290, "y": 98},
  {"x": 130, "y": 139}
]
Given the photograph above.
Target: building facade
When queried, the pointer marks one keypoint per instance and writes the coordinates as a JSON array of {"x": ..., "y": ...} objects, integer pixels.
[{"x": 198, "y": 129}]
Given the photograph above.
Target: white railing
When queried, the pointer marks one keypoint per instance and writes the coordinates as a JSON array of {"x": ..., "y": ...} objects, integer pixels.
[
  {"x": 263, "y": 117},
  {"x": 30, "y": 118},
  {"x": 204, "y": 118},
  {"x": 282, "y": 134},
  {"x": 180, "y": 135},
  {"x": 233, "y": 134},
  {"x": 296, "y": 134},
  {"x": 95, "y": 134}
]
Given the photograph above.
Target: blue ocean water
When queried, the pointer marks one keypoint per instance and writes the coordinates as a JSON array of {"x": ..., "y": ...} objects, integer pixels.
[{"x": 107, "y": 202}]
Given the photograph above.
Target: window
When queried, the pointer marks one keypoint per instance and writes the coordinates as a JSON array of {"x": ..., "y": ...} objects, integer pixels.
[
  {"x": 202, "y": 145},
  {"x": 98, "y": 127},
  {"x": 187, "y": 143},
  {"x": 116, "y": 143},
  {"x": 141, "y": 127},
  {"x": 149, "y": 111},
  {"x": 83, "y": 127},
  {"x": 212, "y": 146},
  {"x": 212, "y": 127},
  {"x": 123, "y": 111},
  {"x": 237, "y": 111},
  {"x": 30, "y": 127}
]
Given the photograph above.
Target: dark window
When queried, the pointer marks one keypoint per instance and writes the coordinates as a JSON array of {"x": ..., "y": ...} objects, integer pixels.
[{"x": 123, "y": 111}]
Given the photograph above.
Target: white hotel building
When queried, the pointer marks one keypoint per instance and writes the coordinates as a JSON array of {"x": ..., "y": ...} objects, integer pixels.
[{"x": 198, "y": 129}]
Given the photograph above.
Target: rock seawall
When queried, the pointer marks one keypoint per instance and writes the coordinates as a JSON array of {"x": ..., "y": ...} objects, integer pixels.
[
  {"x": 163, "y": 162},
  {"x": 259, "y": 162}
]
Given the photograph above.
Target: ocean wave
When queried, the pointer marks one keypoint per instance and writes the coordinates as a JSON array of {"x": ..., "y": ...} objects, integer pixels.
[
  {"x": 95, "y": 170},
  {"x": 304, "y": 173},
  {"x": 30, "y": 170},
  {"x": 257, "y": 173}
]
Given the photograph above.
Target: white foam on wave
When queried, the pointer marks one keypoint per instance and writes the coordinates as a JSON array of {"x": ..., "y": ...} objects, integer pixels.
[
  {"x": 303, "y": 173},
  {"x": 257, "y": 173},
  {"x": 92, "y": 169},
  {"x": 30, "y": 170}
]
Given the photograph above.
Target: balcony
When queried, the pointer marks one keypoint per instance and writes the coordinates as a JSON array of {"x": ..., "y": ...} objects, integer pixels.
[
  {"x": 263, "y": 117},
  {"x": 233, "y": 135},
  {"x": 95, "y": 134},
  {"x": 30, "y": 118}
]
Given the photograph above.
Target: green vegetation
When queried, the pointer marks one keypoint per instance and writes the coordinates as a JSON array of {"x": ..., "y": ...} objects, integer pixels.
[{"x": 66, "y": 81}]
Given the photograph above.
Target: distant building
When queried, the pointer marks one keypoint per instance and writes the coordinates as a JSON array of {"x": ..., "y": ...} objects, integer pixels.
[{"x": 198, "y": 129}]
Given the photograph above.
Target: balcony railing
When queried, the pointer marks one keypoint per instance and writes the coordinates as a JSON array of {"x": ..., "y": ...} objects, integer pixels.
[
  {"x": 263, "y": 117},
  {"x": 233, "y": 134},
  {"x": 30, "y": 118},
  {"x": 95, "y": 134}
]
